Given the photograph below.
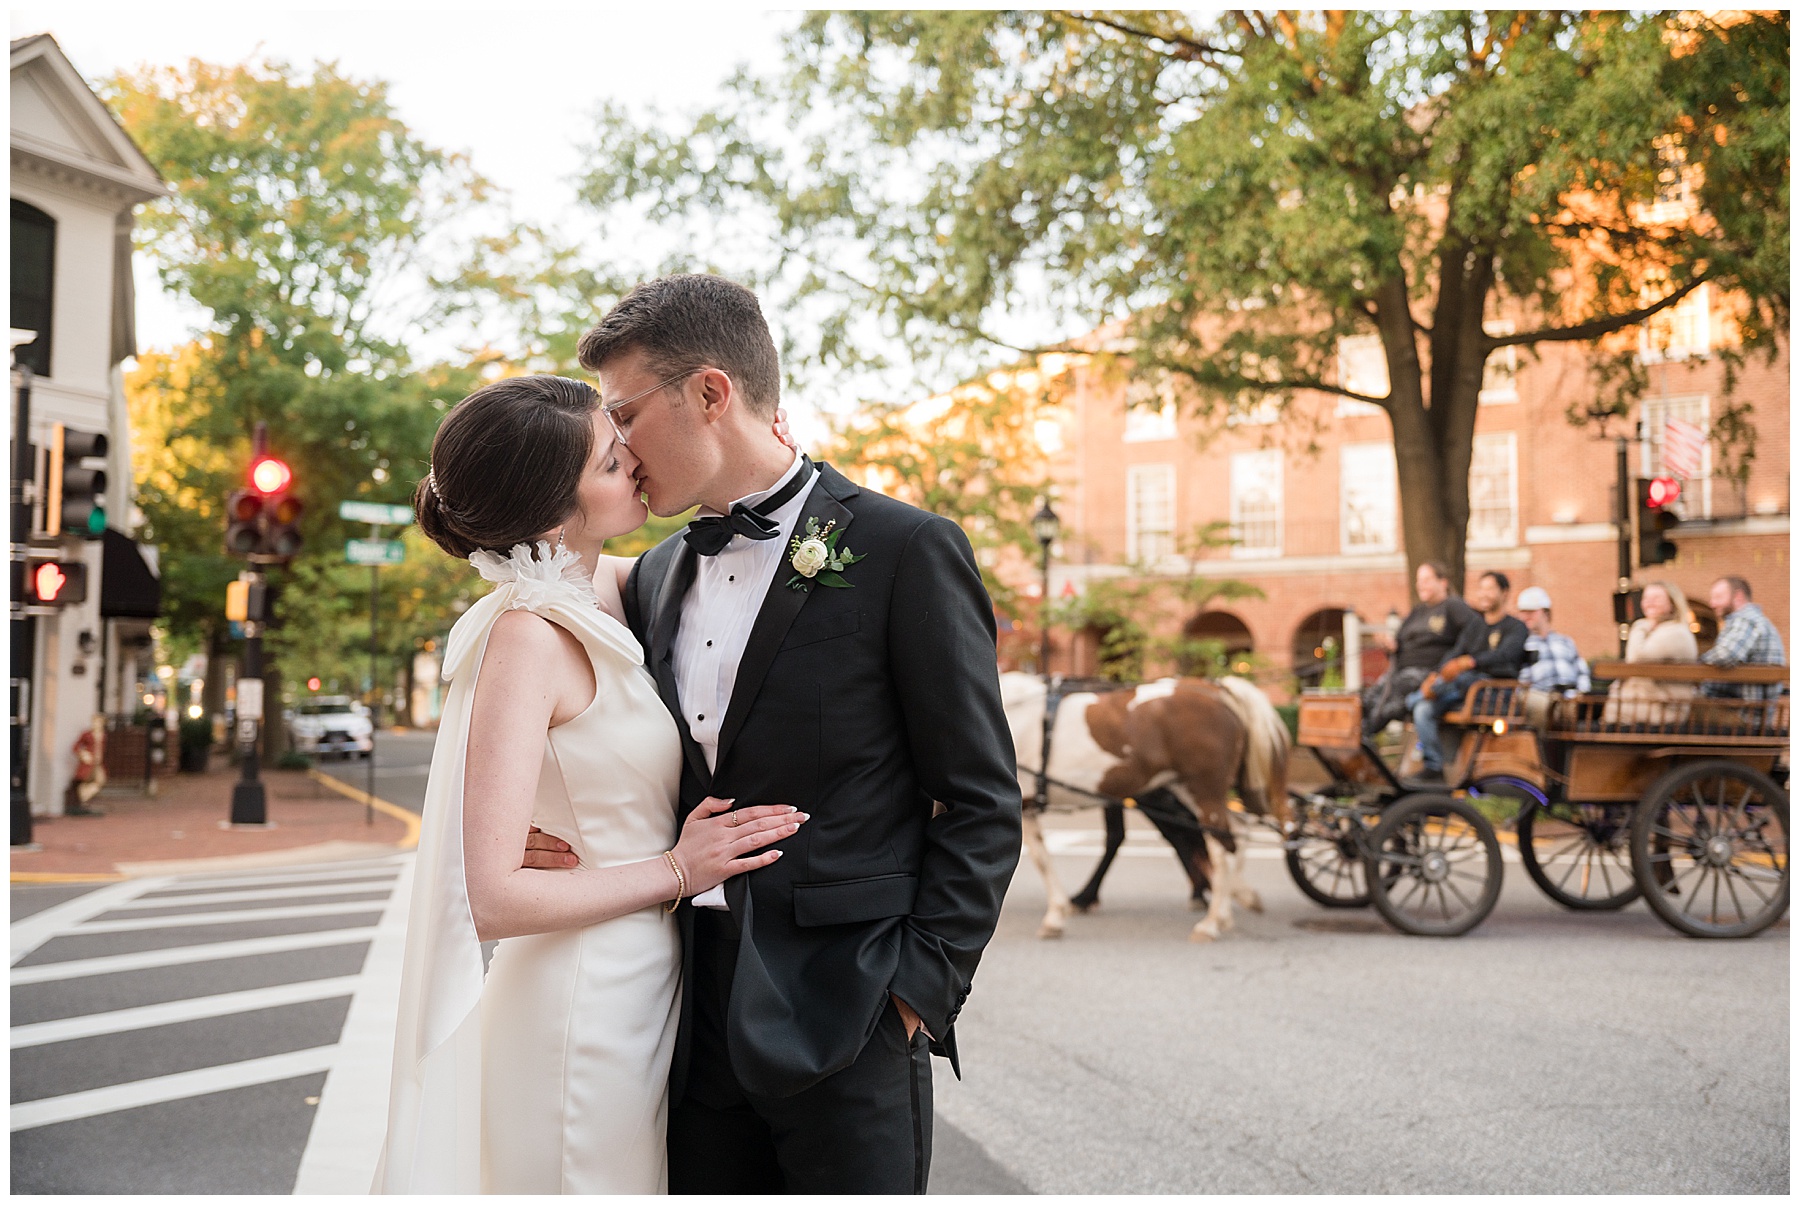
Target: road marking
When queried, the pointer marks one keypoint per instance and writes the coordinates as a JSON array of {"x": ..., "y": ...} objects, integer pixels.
[
  {"x": 384, "y": 869},
  {"x": 42, "y": 1033},
  {"x": 164, "y": 1088},
  {"x": 351, "y": 1123},
  {"x": 138, "y": 924},
  {"x": 34, "y": 931},
  {"x": 244, "y": 897},
  {"x": 143, "y": 960},
  {"x": 411, "y": 820}
]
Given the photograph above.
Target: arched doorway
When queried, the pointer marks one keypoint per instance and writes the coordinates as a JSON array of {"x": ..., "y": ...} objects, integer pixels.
[
  {"x": 1214, "y": 643},
  {"x": 1319, "y": 649}
]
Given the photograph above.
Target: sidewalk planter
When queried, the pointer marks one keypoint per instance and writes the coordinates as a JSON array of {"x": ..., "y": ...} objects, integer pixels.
[{"x": 196, "y": 745}]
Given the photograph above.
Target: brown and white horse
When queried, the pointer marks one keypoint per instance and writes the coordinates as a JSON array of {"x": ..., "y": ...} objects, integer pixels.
[{"x": 1198, "y": 737}]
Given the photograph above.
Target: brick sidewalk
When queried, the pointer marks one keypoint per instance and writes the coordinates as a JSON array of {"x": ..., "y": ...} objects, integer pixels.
[{"x": 182, "y": 830}]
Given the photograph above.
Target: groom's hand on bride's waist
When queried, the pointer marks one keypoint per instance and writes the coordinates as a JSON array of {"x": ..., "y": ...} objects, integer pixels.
[{"x": 544, "y": 852}]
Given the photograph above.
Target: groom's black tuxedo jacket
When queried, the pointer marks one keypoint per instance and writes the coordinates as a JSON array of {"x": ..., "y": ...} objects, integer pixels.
[{"x": 862, "y": 707}]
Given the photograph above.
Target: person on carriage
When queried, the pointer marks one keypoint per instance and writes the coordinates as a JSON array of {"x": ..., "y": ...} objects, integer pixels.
[
  {"x": 1665, "y": 633},
  {"x": 1745, "y": 638},
  {"x": 1553, "y": 663},
  {"x": 1423, "y": 642},
  {"x": 1490, "y": 645}
]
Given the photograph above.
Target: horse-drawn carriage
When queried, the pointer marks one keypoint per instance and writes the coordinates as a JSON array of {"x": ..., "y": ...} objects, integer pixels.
[{"x": 1665, "y": 793}]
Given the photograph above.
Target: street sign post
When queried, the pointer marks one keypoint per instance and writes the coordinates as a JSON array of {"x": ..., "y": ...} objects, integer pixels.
[
  {"x": 374, "y": 512},
  {"x": 375, "y": 552}
]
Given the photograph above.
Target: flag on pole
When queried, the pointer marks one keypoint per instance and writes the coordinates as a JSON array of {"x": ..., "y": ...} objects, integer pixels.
[{"x": 1682, "y": 444}]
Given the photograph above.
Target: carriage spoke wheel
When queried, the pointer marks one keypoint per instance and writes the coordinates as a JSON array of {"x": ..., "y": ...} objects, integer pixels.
[
  {"x": 1709, "y": 849},
  {"x": 1325, "y": 857},
  {"x": 1434, "y": 866},
  {"x": 1579, "y": 854}
]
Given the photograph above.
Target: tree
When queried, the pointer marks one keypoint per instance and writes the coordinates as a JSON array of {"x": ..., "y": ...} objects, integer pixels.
[
  {"x": 1241, "y": 194},
  {"x": 316, "y": 232}
]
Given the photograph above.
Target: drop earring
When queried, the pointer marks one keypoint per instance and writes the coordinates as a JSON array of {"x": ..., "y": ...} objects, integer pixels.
[{"x": 559, "y": 538}]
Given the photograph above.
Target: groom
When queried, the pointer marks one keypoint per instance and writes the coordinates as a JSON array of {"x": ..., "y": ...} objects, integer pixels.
[{"x": 823, "y": 646}]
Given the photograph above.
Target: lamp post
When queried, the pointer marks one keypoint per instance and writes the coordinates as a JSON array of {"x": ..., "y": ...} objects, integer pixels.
[{"x": 1045, "y": 526}]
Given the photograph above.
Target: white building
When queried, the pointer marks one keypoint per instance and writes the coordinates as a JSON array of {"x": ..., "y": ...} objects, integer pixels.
[{"x": 76, "y": 178}]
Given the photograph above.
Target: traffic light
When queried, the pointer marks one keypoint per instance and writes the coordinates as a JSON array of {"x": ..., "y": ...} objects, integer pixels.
[
  {"x": 263, "y": 521},
  {"x": 55, "y": 583},
  {"x": 1655, "y": 519},
  {"x": 74, "y": 502}
]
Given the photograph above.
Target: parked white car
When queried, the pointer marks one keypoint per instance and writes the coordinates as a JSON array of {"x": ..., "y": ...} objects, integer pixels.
[{"x": 332, "y": 724}]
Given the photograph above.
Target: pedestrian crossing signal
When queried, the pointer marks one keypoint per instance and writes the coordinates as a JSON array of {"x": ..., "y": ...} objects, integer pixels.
[{"x": 55, "y": 583}]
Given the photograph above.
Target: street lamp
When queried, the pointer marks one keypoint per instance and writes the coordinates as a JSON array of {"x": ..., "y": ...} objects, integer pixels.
[{"x": 1045, "y": 526}]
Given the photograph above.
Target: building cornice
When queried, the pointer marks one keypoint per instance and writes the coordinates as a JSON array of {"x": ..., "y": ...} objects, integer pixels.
[{"x": 46, "y": 161}]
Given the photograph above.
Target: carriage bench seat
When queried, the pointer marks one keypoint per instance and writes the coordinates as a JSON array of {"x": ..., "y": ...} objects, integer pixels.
[{"x": 1604, "y": 718}]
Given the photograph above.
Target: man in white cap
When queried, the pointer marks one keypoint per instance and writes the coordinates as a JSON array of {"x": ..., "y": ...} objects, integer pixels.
[{"x": 1557, "y": 666}]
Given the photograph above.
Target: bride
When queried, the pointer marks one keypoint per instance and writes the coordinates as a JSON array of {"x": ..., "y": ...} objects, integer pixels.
[{"x": 550, "y": 1073}]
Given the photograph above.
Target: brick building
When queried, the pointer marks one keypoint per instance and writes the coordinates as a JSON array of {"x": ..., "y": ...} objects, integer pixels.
[{"x": 1310, "y": 496}]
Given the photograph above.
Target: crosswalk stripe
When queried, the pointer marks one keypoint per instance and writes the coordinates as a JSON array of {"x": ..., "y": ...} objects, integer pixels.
[
  {"x": 197, "y": 886},
  {"x": 42, "y": 1033},
  {"x": 136, "y": 924},
  {"x": 108, "y": 964},
  {"x": 249, "y": 896},
  {"x": 163, "y": 1088},
  {"x": 32, "y": 932}
]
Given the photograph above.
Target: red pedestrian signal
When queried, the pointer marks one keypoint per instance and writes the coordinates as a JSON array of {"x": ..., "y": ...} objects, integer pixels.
[{"x": 55, "y": 583}]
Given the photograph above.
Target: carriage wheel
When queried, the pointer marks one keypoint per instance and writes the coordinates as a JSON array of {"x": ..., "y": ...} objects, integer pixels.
[
  {"x": 1325, "y": 858},
  {"x": 1434, "y": 863},
  {"x": 1709, "y": 849},
  {"x": 1579, "y": 854}
]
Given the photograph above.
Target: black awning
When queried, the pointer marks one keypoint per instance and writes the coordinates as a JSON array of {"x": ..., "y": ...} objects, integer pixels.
[{"x": 129, "y": 589}]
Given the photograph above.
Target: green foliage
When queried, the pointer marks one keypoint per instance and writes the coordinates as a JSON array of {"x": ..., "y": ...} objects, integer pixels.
[
  {"x": 323, "y": 238},
  {"x": 194, "y": 734},
  {"x": 1242, "y": 190}
]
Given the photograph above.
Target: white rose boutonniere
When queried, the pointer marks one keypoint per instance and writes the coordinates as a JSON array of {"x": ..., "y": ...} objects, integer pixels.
[{"x": 816, "y": 557}]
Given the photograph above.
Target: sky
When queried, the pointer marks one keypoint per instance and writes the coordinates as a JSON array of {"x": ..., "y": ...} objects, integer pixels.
[{"x": 512, "y": 86}]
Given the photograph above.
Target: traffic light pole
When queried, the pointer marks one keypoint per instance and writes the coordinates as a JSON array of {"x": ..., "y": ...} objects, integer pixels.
[
  {"x": 374, "y": 687},
  {"x": 249, "y": 804},
  {"x": 24, "y": 627}
]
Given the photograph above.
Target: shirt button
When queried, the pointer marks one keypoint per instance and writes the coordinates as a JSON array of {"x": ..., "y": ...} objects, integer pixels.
[
  {"x": 732, "y": 578},
  {"x": 699, "y": 718},
  {"x": 709, "y": 644}
]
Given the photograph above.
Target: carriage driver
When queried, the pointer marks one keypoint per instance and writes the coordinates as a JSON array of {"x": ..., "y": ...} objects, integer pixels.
[{"x": 1491, "y": 645}]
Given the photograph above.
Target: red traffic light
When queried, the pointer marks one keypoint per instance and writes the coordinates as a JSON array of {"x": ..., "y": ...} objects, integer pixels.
[
  {"x": 269, "y": 475},
  {"x": 1663, "y": 490},
  {"x": 313, "y": 684}
]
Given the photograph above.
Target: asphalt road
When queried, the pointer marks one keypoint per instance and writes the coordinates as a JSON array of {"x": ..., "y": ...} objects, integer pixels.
[{"x": 1306, "y": 1052}]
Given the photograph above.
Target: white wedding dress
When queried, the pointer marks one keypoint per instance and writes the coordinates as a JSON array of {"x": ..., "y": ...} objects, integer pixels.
[{"x": 552, "y": 1075}]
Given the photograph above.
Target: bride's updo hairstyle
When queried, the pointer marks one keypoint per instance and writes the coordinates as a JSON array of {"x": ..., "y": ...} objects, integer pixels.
[{"x": 506, "y": 463}]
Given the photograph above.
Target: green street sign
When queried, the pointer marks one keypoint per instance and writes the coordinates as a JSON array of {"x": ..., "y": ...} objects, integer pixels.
[
  {"x": 374, "y": 512},
  {"x": 375, "y": 552}
]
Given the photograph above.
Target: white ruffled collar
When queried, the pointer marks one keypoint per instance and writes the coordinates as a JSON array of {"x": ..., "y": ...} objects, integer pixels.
[{"x": 537, "y": 580}]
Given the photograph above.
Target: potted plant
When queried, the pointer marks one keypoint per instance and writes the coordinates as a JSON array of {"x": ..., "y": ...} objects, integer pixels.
[{"x": 196, "y": 744}]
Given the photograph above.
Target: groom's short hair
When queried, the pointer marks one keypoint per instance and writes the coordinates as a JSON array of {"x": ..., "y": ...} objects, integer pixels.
[{"x": 693, "y": 321}]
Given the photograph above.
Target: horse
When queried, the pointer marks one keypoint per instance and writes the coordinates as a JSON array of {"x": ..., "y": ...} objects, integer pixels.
[{"x": 1199, "y": 738}]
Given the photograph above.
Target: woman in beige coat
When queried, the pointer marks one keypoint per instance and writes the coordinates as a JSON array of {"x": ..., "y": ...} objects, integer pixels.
[{"x": 1663, "y": 634}]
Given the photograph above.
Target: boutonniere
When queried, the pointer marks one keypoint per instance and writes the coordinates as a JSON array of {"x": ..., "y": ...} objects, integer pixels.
[{"x": 816, "y": 557}]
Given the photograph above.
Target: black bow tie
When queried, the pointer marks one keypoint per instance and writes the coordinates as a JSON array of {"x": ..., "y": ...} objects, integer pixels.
[{"x": 709, "y": 534}]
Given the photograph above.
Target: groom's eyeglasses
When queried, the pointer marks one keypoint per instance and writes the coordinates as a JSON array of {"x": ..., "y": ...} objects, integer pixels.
[{"x": 621, "y": 428}]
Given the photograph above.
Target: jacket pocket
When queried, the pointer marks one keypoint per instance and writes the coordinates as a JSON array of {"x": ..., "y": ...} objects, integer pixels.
[
  {"x": 849, "y": 901},
  {"x": 823, "y": 629}
]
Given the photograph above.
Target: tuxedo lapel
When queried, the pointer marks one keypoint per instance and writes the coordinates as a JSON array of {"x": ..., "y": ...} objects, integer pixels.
[
  {"x": 664, "y": 619},
  {"x": 780, "y": 606}
]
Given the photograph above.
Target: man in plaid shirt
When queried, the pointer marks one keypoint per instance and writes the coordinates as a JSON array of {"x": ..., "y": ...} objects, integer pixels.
[
  {"x": 1559, "y": 666},
  {"x": 1747, "y": 638}
]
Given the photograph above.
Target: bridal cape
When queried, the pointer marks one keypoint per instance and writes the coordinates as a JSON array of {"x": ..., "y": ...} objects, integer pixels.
[{"x": 587, "y": 1016}]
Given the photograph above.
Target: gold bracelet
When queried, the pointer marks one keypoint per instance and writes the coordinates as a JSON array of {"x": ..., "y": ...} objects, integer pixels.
[{"x": 680, "y": 880}]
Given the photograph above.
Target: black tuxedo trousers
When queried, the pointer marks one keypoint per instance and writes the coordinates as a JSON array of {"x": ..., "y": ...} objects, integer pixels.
[{"x": 876, "y": 709}]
